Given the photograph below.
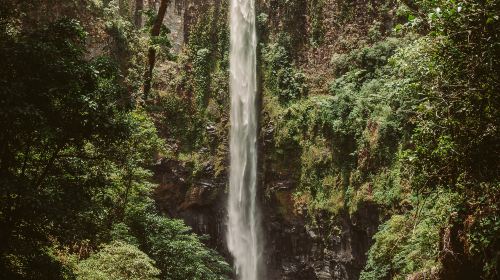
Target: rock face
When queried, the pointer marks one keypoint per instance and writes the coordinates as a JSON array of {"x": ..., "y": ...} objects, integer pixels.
[
  {"x": 298, "y": 246},
  {"x": 201, "y": 204},
  {"x": 295, "y": 250},
  {"x": 331, "y": 250},
  {"x": 174, "y": 19}
]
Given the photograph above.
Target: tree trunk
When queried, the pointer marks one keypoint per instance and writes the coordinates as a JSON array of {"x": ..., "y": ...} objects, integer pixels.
[
  {"x": 139, "y": 7},
  {"x": 155, "y": 31}
]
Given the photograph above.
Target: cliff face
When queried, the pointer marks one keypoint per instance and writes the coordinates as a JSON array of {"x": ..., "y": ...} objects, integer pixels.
[
  {"x": 295, "y": 249},
  {"x": 201, "y": 204},
  {"x": 352, "y": 135},
  {"x": 333, "y": 250},
  {"x": 300, "y": 243},
  {"x": 378, "y": 136}
]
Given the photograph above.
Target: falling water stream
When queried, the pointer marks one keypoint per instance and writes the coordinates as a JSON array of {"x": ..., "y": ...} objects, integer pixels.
[{"x": 243, "y": 227}]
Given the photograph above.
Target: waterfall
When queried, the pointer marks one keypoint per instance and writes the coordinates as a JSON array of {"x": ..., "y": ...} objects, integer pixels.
[{"x": 243, "y": 227}]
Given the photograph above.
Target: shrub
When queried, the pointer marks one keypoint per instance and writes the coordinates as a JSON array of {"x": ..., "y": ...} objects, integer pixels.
[
  {"x": 282, "y": 79},
  {"x": 120, "y": 261}
]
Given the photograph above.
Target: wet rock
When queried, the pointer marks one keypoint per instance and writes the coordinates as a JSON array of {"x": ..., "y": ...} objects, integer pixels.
[
  {"x": 201, "y": 204},
  {"x": 296, "y": 249},
  {"x": 211, "y": 129}
]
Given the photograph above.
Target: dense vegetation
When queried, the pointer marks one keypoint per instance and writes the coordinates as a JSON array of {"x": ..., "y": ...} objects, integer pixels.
[
  {"x": 386, "y": 103},
  {"x": 409, "y": 121},
  {"x": 77, "y": 145}
]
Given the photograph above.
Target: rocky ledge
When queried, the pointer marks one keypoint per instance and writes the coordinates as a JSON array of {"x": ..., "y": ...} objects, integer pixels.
[{"x": 296, "y": 248}]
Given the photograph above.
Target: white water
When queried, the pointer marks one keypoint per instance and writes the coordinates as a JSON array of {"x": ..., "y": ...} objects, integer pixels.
[{"x": 243, "y": 228}]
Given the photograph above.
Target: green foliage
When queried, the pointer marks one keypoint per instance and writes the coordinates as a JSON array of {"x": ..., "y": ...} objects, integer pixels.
[
  {"x": 290, "y": 17},
  {"x": 178, "y": 253},
  {"x": 75, "y": 168},
  {"x": 281, "y": 78},
  {"x": 118, "y": 260},
  {"x": 160, "y": 43},
  {"x": 389, "y": 188},
  {"x": 367, "y": 58},
  {"x": 346, "y": 137},
  {"x": 208, "y": 49},
  {"x": 452, "y": 143},
  {"x": 403, "y": 246},
  {"x": 201, "y": 71},
  {"x": 126, "y": 46},
  {"x": 193, "y": 113},
  {"x": 410, "y": 124},
  {"x": 55, "y": 106},
  {"x": 315, "y": 10},
  {"x": 179, "y": 119}
]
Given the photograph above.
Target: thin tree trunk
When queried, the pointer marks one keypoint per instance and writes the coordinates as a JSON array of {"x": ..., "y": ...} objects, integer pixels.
[
  {"x": 39, "y": 181},
  {"x": 139, "y": 7},
  {"x": 155, "y": 31}
]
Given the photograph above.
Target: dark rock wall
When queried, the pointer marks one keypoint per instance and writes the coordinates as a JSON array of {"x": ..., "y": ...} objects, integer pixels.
[
  {"x": 296, "y": 248},
  {"x": 330, "y": 250}
]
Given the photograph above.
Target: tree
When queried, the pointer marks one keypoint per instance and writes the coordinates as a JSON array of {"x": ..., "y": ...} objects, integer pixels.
[
  {"x": 155, "y": 32},
  {"x": 60, "y": 115},
  {"x": 75, "y": 158},
  {"x": 139, "y": 6}
]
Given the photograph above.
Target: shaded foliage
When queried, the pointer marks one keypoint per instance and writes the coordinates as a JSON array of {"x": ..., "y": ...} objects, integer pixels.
[{"x": 75, "y": 159}]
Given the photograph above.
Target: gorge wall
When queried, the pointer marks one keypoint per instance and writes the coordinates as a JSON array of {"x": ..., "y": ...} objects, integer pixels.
[
  {"x": 301, "y": 243},
  {"x": 295, "y": 249},
  {"x": 362, "y": 175},
  {"x": 378, "y": 139}
]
